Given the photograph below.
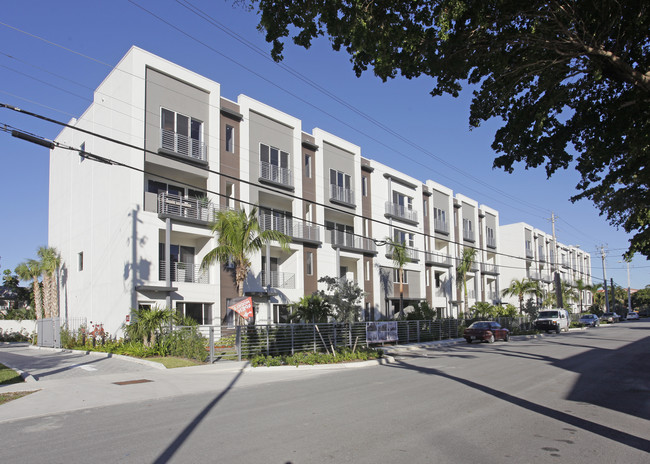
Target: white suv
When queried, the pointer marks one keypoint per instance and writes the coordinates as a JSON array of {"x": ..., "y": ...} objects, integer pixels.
[{"x": 556, "y": 319}]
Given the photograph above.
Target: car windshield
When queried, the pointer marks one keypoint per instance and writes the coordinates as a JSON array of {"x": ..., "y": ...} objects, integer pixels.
[
  {"x": 548, "y": 314},
  {"x": 588, "y": 316},
  {"x": 480, "y": 325}
]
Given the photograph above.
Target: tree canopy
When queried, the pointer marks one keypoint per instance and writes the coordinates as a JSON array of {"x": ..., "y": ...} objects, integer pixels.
[{"x": 570, "y": 80}]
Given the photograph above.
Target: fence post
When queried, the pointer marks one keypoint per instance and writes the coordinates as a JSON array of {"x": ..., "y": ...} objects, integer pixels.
[
  {"x": 335, "y": 344},
  {"x": 350, "y": 334},
  {"x": 408, "y": 335},
  {"x": 418, "y": 330},
  {"x": 211, "y": 344},
  {"x": 267, "y": 339},
  {"x": 238, "y": 342},
  {"x": 292, "y": 343}
]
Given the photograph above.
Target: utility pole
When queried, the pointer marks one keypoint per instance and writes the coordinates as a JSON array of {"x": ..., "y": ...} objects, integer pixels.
[
  {"x": 602, "y": 255},
  {"x": 556, "y": 278}
]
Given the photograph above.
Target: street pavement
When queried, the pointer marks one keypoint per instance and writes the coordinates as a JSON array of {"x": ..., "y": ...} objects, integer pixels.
[{"x": 65, "y": 380}]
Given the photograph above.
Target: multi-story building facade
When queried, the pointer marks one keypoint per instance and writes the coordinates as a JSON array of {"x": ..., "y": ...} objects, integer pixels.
[
  {"x": 535, "y": 255},
  {"x": 133, "y": 231}
]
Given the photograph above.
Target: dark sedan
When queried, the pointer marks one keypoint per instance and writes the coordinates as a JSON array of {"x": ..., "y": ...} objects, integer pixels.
[{"x": 486, "y": 330}]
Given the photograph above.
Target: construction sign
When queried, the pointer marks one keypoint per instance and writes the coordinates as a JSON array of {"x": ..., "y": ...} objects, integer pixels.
[{"x": 244, "y": 308}]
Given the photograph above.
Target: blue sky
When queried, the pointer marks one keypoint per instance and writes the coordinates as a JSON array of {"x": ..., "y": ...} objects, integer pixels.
[{"x": 425, "y": 137}]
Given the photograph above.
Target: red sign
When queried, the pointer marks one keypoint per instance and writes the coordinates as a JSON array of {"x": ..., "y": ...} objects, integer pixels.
[
  {"x": 244, "y": 308},
  {"x": 128, "y": 318}
]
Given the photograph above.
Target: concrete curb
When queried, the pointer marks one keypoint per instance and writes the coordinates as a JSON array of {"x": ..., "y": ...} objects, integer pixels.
[{"x": 349, "y": 365}]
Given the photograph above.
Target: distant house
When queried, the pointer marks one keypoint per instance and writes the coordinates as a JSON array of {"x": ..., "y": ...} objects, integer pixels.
[{"x": 8, "y": 298}]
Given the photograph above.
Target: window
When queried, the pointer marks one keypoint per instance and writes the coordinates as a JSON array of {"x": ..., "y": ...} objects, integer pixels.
[
  {"x": 307, "y": 166},
  {"x": 425, "y": 207},
  {"x": 364, "y": 186},
  {"x": 427, "y": 275},
  {"x": 182, "y": 267},
  {"x": 310, "y": 263},
  {"x": 230, "y": 194},
  {"x": 80, "y": 261},
  {"x": 396, "y": 276},
  {"x": 366, "y": 227},
  {"x": 230, "y": 139},
  {"x": 340, "y": 184},
  {"x": 402, "y": 200},
  {"x": 201, "y": 313},
  {"x": 468, "y": 233},
  {"x": 281, "y": 314},
  {"x": 274, "y": 164},
  {"x": 367, "y": 269},
  {"x": 406, "y": 238},
  {"x": 181, "y": 134}
]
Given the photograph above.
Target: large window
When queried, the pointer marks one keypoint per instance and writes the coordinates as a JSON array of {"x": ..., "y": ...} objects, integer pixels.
[
  {"x": 181, "y": 134},
  {"x": 199, "y": 312},
  {"x": 230, "y": 139},
  {"x": 468, "y": 232},
  {"x": 396, "y": 276},
  {"x": 402, "y": 200},
  {"x": 340, "y": 186},
  {"x": 274, "y": 165},
  {"x": 406, "y": 238}
]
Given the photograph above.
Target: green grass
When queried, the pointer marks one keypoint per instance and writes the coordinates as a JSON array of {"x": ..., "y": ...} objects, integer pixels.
[
  {"x": 170, "y": 362},
  {"x": 6, "y": 397},
  {"x": 9, "y": 376}
]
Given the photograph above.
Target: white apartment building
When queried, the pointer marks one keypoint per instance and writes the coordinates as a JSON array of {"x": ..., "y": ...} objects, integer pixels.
[
  {"x": 136, "y": 236},
  {"x": 533, "y": 254}
]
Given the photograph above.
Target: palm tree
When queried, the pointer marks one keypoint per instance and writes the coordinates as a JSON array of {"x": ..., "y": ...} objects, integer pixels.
[
  {"x": 581, "y": 286},
  {"x": 466, "y": 260},
  {"x": 398, "y": 252},
  {"x": 311, "y": 308},
  {"x": 520, "y": 288},
  {"x": 31, "y": 270},
  {"x": 239, "y": 236},
  {"x": 50, "y": 263},
  {"x": 597, "y": 297},
  {"x": 147, "y": 323}
]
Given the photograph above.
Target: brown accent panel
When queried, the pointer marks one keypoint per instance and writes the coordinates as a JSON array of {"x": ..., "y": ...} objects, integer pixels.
[
  {"x": 309, "y": 183},
  {"x": 229, "y": 163},
  {"x": 429, "y": 292},
  {"x": 310, "y": 281}
]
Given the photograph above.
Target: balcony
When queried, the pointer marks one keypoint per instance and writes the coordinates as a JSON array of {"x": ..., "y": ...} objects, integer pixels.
[
  {"x": 439, "y": 259},
  {"x": 492, "y": 295},
  {"x": 441, "y": 226},
  {"x": 468, "y": 235},
  {"x": 491, "y": 242},
  {"x": 401, "y": 213},
  {"x": 541, "y": 255},
  {"x": 341, "y": 195},
  {"x": 183, "y": 146},
  {"x": 488, "y": 268},
  {"x": 281, "y": 177},
  {"x": 195, "y": 210},
  {"x": 297, "y": 230},
  {"x": 534, "y": 275},
  {"x": 412, "y": 254},
  {"x": 277, "y": 279},
  {"x": 350, "y": 242},
  {"x": 529, "y": 253},
  {"x": 184, "y": 272}
]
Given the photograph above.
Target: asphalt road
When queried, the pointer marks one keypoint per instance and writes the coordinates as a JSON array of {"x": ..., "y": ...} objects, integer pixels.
[{"x": 578, "y": 397}]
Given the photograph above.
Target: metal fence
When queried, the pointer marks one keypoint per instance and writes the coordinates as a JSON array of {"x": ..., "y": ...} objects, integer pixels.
[{"x": 243, "y": 342}]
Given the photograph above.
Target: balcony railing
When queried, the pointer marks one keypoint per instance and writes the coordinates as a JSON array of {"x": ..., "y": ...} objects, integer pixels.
[
  {"x": 529, "y": 253},
  {"x": 186, "y": 207},
  {"x": 184, "y": 272},
  {"x": 431, "y": 257},
  {"x": 469, "y": 235},
  {"x": 278, "y": 279},
  {"x": 352, "y": 242},
  {"x": 489, "y": 268},
  {"x": 293, "y": 228},
  {"x": 183, "y": 145},
  {"x": 491, "y": 242},
  {"x": 534, "y": 275},
  {"x": 441, "y": 226},
  {"x": 276, "y": 174},
  {"x": 412, "y": 254},
  {"x": 341, "y": 194},
  {"x": 492, "y": 295},
  {"x": 541, "y": 255},
  {"x": 401, "y": 212},
  {"x": 439, "y": 292}
]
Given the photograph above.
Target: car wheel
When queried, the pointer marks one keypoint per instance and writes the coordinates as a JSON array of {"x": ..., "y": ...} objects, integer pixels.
[
  {"x": 506, "y": 338},
  {"x": 557, "y": 331},
  {"x": 468, "y": 340},
  {"x": 491, "y": 339}
]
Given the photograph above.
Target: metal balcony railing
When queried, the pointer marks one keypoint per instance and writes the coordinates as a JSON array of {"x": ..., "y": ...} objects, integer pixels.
[
  {"x": 441, "y": 226},
  {"x": 529, "y": 253},
  {"x": 413, "y": 254},
  {"x": 291, "y": 227},
  {"x": 491, "y": 242},
  {"x": 183, "y": 145},
  {"x": 534, "y": 275},
  {"x": 431, "y": 257},
  {"x": 541, "y": 255},
  {"x": 341, "y": 194},
  {"x": 184, "y": 272},
  {"x": 352, "y": 242},
  {"x": 469, "y": 235},
  {"x": 278, "y": 279},
  {"x": 276, "y": 174},
  {"x": 401, "y": 212},
  {"x": 489, "y": 268},
  {"x": 186, "y": 207}
]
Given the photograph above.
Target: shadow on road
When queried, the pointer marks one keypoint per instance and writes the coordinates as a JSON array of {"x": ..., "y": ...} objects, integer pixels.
[{"x": 166, "y": 455}]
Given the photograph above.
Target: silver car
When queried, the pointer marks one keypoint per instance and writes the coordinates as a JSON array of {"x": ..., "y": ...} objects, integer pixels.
[{"x": 590, "y": 320}]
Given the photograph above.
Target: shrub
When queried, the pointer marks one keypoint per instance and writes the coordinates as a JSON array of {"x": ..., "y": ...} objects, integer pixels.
[{"x": 186, "y": 342}]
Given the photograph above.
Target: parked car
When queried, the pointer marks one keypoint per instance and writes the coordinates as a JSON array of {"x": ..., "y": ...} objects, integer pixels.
[
  {"x": 633, "y": 316},
  {"x": 486, "y": 330},
  {"x": 590, "y": 320},
  {"x": 555, "y": 320},
  {"x": 610, "y": 317}
]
